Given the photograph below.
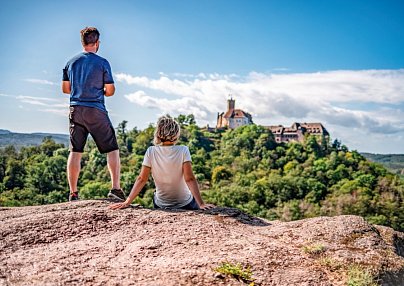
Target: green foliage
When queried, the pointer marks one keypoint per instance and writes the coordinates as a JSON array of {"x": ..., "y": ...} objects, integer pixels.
[
  {"x": 145, "y": 198},
  {"x": 220, "y": 173},
  {"x": 330, "y": 263},
  {"x": 35, "y": 175},
  {"x": 14, "y": 174},
  {"x": 94, "y": 190},
  {"x": 359, "y": 276},
  {"x": 315, "y": 249},
  {"x": 354, "y": 274},
  {"x": 243, "y": 168},
  {"x": 235, "y": 270},
  {"x": 300, "y": 180}
]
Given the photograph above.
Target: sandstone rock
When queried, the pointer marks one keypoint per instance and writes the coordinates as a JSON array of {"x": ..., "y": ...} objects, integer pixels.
[{"x": 85, "y": 243}]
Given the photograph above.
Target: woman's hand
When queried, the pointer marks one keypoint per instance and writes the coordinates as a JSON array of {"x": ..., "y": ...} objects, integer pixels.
[
  {"x": 206, "y": 206},
  {"x": 117, "y": 206}
]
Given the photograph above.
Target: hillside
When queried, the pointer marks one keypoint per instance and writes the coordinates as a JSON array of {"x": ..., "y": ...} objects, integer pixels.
[
  {"x": 85, "y": 243},
  {"x": 19, "y": 140},
  {"x": 393, "y": 162},
  {"x": 243, "y": 168}
]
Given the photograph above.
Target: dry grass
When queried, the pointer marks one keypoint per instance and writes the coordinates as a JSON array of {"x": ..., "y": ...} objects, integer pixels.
[
  {"x": 314, "y": 249},
  {"x": 359, "y": 276}
]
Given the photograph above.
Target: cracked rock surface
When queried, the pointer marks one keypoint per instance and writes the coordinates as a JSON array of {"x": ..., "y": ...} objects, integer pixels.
[{"x": 85, "y": 243}]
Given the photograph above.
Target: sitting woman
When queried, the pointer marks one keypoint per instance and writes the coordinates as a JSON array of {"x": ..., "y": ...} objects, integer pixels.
[{"x": 170, "y": 165}]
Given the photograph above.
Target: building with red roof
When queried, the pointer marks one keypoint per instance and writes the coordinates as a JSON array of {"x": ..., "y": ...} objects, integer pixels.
[{"x": 233, "y": 117}]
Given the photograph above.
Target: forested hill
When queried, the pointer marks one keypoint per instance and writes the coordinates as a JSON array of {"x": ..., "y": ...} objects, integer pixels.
[
  {"x": 243, "y": 168},
  {"x": 28, "y": 139}
]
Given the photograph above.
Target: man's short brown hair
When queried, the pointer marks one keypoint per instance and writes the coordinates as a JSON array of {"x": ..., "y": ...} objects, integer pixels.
[{"x": 89, "y": 35}]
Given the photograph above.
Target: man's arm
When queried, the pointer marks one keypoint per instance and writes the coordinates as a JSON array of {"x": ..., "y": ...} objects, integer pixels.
[
  {"x": 66, "y": 88},
  {"x": 109, "y": 89}
]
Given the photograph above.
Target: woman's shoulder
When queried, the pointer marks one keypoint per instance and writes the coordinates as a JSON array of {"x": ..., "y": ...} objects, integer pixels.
[
  {"x": 150, "y": 149},
  {"x": 182, "y": 148}
]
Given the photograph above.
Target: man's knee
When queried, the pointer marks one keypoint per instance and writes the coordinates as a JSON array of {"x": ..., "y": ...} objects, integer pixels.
[
  {"x": 113, "y": 158},
  {"x": 74, "y": 157},
  {"x": 113, "y": 154}
]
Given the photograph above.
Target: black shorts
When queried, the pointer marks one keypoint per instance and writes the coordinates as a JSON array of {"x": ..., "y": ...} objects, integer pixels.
[{"x": 88, "y": 120}]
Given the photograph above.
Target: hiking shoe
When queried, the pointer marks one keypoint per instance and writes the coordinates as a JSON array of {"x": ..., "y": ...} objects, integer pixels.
[
  {"x": 117, "y": 194},
  {"x": 73, "y": 197}
]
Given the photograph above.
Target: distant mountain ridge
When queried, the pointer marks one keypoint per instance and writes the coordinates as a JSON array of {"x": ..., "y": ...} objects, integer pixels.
[
  {"x": 19, "y": 140},
  {"x": 393, "y": 162},
  {"x": 3, "y": 131}
]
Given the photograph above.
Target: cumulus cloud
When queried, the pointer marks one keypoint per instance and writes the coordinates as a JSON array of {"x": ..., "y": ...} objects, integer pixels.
[
  {"x": 184, "y": 105},
  {"x": 293, "y": 96},
  {"x": 369, "y": 121}
]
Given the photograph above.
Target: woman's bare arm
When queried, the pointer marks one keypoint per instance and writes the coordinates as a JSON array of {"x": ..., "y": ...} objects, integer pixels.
[
  {"x": 192, "y": 184},
  {"x": 137, "y": 187}
]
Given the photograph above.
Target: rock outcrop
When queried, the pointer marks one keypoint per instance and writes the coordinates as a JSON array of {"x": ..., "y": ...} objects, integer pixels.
[{"x": 85, "y": 243}]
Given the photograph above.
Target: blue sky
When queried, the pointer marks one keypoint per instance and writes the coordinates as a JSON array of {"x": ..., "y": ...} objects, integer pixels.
[{"x": 337, "y": 62}]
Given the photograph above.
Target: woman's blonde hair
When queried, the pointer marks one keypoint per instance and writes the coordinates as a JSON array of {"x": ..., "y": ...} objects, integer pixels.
[{"x": 167, "y": 130}]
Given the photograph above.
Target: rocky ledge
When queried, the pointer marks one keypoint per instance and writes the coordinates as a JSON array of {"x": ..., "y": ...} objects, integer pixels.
[{"x": 85, "y": 243}]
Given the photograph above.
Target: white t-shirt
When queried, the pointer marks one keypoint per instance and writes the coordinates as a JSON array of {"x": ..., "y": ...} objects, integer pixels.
[{"x": 166, "y": 168}]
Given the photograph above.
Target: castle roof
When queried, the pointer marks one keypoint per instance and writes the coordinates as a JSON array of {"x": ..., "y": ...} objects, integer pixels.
[
  {"x": 236, "y": 113},
  {"x": 312, "y": 128},
  {"x": 315, "y": 128}
]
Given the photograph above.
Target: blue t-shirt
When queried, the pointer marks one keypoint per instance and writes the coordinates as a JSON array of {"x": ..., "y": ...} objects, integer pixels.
[{"x": 87, "y": 73}]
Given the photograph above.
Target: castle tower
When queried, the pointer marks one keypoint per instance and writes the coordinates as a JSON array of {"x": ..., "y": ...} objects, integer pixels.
[{"x": 231, "y": 103}]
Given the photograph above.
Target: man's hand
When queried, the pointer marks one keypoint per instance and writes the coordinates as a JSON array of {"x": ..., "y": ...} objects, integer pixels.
[
  {"x": 207, "y": 206},
  {"x": 117, "y": 206},
  {"x": 109, "y": 89},
  {"x": 66, "y": 87}
]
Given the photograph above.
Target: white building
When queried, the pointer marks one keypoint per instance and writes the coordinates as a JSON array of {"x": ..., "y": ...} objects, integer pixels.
[{"x": 233, "y": 117}]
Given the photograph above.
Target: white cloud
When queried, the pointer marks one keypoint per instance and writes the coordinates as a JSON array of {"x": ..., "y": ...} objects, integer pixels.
[
  {"x": 373, "y": 122},
  {"x": 40, "y": 81},
  {"x": 52, "y": 105},
  {"x": 369, "y": 103},
  {"x": 184, "y": 105},
  {"x": 36, "y": 100}
]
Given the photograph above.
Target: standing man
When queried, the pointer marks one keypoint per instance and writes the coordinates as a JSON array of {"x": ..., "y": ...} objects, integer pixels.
[{"x": 87, "y": 77}]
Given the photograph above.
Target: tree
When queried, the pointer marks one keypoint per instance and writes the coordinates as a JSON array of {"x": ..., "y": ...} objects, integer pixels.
[
  {"x": 220, "y": 173},
  {"x": 243, "y": 168},
  {"x": 185, "y": 120},
  {"x": 48, "y": 146},
  {"x": 14, "y": 176}
]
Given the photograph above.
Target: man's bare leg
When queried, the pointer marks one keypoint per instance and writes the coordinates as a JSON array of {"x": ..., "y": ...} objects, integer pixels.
[
  {"x": 114, "y": 167},
  {"x": 73, "y": 170}
]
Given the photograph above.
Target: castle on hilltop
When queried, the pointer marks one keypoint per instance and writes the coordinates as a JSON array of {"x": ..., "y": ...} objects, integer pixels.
[
  {"x": 234, "y": 118},
  {"x": 297, "y": 131}
]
